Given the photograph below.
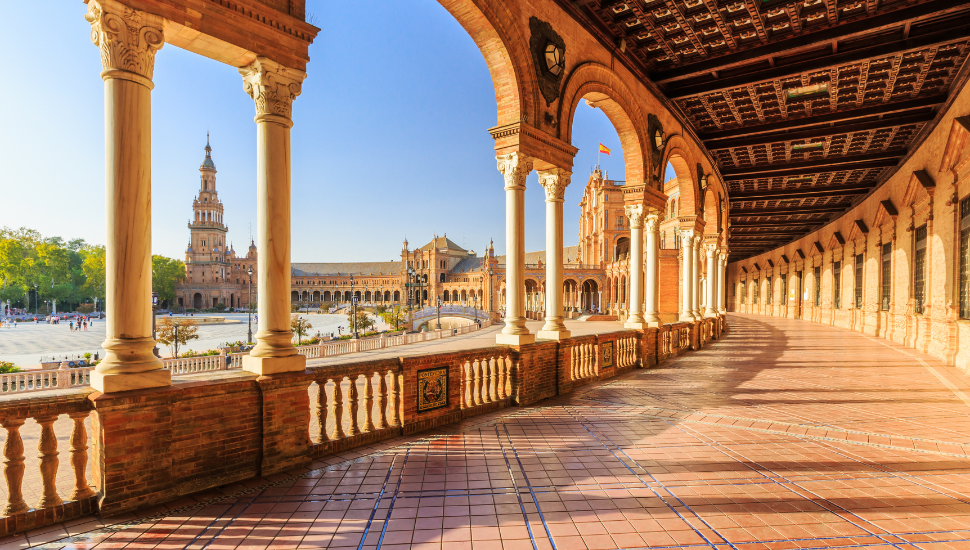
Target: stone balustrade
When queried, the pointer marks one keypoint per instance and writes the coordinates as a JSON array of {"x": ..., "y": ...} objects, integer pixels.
[{"x": 154, "y": 445}]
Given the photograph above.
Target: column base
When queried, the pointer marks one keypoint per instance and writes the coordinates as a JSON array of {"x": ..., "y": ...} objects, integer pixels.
[
  {"x": 274, "y": 365},
  {"x": 554, "y": 334},
  {"x": 110, "y": 382},
  {"x": 515, "y": 339},
  {"x": 686, "y": 318}
]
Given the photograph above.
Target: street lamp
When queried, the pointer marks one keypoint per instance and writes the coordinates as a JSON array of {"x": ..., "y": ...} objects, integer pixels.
[
  {"x": 36, "y": 307},
  {"x": 176, "y": 343},
  {"x": 353, "y": 305},
  {"x": 410, "y": 290},
  {"x": 249, "y": 337},
  {"x": 439, "y": 312},
  {"x": 154, "y": 309}
]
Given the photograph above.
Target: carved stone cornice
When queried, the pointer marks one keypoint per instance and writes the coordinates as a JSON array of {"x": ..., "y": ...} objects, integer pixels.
[
  {"x": 272, "y": 86},
  {"x": 514, "y": 167},
  {"x": 127, "y": 39},
  {"x": 528, "y": 140},
  {"x": 634, "y": 213},
  {"x": 554, "y": 182}
]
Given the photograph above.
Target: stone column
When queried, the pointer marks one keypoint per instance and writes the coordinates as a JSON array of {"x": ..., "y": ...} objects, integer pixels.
[
  {"x": 712, "y": 276},
  {"x": 634, "y": 213},
  {"x": 515, "y": 167},
  {"x": 554, "y": 182},
  {"x": 128, "y": 40},
  {"x": 696, "y": 291},
  {"x": 687, "y": 286},
  {"x": 273, "y": 87},
  {"x": 651, "y": 313},
  {"x": 722, "y": 285}
]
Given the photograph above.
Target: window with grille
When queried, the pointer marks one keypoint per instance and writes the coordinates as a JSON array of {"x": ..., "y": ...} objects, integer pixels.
[
  {"x": 817, "y": 275},
  {"x": 965, "y": 258},
  {"x": 784, "y": 289},
  {"x": 754, "y": 288},
  {"x": 919, "y": 270},
  {"x": 768, "y": 291},
  {"x": 741, "y": 291},
  {"x": 837, "y": 285},
  {"x": 859, "y": 262},
  {"x": 887, "y": 274}
]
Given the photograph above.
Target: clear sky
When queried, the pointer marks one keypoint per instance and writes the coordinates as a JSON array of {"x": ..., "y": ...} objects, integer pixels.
[{"x": 390, "y": 136}]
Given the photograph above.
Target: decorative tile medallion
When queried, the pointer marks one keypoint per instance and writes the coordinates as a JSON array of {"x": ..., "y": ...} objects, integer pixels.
[
  {"x": 432, "y": 389},
  {"x": 607, "y": 348}
]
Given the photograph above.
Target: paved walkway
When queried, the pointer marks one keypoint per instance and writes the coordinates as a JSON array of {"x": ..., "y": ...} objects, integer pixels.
[{"x": 785, "y": 434}]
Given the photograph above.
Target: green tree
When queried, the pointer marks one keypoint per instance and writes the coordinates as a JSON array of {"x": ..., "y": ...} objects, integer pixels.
[
  {"x": 300, "y": 327},
  {"x": 92, "y": 268},
  {"x": 361, "y": 323},
  {"x": 175, "y": 333},
  {"x": 165, "y": 273},
  {"x": 395, "y": 316}
]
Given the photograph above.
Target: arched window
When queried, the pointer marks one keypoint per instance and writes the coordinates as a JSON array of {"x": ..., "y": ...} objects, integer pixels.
[{"x": 442, "y": 278}]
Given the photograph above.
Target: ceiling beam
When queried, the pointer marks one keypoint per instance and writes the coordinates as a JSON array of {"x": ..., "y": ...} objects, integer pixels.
[
  {"x": 739, "y": 232},
  {"x": 821, "y": 131},
  {"x": 861, "y": 27},
  {"x": 778, "y": 223},
  {"x": 803, "y": 193},
  {"x": 790, "y": 210},
  {"x": 811, "y": 165},
  {"x": 816, "y": 121},
  {"x": 956, "y": 32},
  {"x": 807, "y": 169}
]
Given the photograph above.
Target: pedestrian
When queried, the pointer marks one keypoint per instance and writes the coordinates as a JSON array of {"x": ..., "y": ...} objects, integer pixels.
[{"x": 72, "y": 326}]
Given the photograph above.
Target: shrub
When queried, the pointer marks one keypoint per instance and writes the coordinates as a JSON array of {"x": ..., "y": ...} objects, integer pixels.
[{"x": 8, "y": 367}]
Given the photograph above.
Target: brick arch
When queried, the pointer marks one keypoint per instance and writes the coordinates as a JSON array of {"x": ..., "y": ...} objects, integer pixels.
[
  {"x": 506, "y": 52},
  {"x": 678, "y": 153},
  {"x": 606, "y": 89},
  {"x": 712, "y": 217}
]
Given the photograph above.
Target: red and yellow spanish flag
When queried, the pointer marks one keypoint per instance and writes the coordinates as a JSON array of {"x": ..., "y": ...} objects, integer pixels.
[{"x": 604, "y": 149}]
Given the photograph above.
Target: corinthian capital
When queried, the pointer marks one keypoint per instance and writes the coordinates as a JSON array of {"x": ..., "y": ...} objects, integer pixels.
[
  {"x": 127, "y": 38},
  {"x": 634, "y": 213},
  {"x": 687, "y": 238},
  {"x": 515, "y": 167},
  {"x": 711, "y": 248},
  {"x": 272, "y": 86},
  {"x": 651, "y": 221},
  {"x": 554, "y": 182}
]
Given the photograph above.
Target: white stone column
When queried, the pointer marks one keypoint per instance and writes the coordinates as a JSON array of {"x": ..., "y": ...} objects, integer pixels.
[
  {"x": 722, "y": 284},
  {"x": 514, "y": 168},
  {"x": 695, "y": 308},
  {"x": 710, "y": 309},
  {"x": 273, "y": 87},
  {"x": 687, "y": 285},
  {"x": 651, "y": 288},
  {"x": 128, "y": 40},
  {"x": 634, "y": 214},
  {"x": 554, "y": 182}
]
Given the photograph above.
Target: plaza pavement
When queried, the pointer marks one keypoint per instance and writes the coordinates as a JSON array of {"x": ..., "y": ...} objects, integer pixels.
[{"x": 784, "y": 434}]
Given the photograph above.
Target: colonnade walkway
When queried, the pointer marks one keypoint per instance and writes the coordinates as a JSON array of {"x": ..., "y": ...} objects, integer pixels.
[{"x": 783, "y": 434}]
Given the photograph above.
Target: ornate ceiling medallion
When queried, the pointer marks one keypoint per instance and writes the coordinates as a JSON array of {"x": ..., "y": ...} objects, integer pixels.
[{"x": 549, "y": 58}]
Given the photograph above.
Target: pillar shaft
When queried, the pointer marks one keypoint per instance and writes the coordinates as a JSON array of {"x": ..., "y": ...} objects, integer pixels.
[
  {"x": 651, "y": 286},
  {"x": 554, "y": 182},
  {"x": 721, "y": 285},
  {"x": 687, "y": 285},
  {"x": 634, "y": 213},
  {"x": 128, "y": 42},
  {"x": 710, "y": 309},
  {"x": 696, "y": 268},
  {"x": 515, "y": 167},
  {"x": 273, "y": 87}
]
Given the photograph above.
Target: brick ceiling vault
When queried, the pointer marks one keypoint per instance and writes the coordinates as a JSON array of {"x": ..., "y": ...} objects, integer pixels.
[{"x": 805, "y": 105}]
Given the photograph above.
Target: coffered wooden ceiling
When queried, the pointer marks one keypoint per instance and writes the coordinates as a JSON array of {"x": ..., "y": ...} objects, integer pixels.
[{"x": 805, "y": 105}]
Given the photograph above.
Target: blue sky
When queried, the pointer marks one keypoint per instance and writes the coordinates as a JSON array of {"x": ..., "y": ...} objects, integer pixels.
[{"x": 390, "y": 137}]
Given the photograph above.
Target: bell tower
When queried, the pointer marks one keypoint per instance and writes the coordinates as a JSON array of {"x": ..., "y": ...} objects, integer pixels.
[{"x": 206, "y": 257}]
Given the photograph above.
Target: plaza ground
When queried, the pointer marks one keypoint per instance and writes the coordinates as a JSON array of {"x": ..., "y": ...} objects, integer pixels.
[{"x": 783, "y": 434}]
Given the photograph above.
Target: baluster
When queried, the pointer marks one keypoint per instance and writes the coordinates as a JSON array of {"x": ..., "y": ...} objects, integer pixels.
[
  {"x": 492, "y": 380},
  {"x": 394, "y": 419},
  {"x": 572, "y": 362},
  {"x": 337, "y": 411},
  {"x": 486, "y": 381},
  {"x": 322, "y": 407},
  {"x": 353, "y": 397},
  {"x": 500, "y": 383},
  {"x": 47, "y": 453},
  {"x": 477, "y": 387},
  {"x": 399, "y": 403},
  {"x": 586, "y": 364},
  {"x": 79, "y": 456},
  {"x": 382, "y": 400},
  {"x": 466, "y": 392},
  {"x": 368, "y": 403},
  {"x": 13, "y": 466},
  {"x": 510, "y": 367}
]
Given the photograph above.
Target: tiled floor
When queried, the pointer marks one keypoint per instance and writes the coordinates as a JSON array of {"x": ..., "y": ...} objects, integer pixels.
[{"x": 783, "y": 435}]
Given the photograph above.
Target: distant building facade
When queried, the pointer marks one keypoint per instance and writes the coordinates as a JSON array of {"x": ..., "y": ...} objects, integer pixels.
[{"x": 595, "y": 271}]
